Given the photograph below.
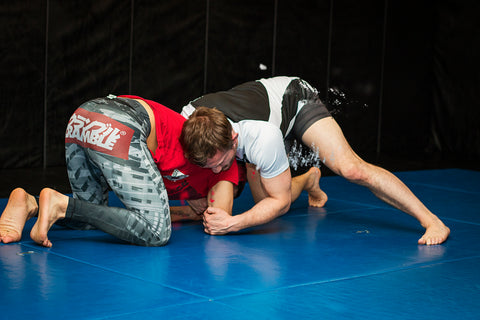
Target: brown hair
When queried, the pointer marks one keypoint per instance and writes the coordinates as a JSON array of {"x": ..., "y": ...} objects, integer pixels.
[{"x": 206, "y": 132}]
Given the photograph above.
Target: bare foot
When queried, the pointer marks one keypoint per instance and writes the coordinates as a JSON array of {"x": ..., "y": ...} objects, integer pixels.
[
  {"x": 316, "y": 197},
  {"x": 21, "y": 206},
  {"x": 436, "y": 233},
  {"x": 52, "y": 207}
]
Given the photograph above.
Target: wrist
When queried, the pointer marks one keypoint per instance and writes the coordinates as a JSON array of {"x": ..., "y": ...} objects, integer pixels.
[{"x": 236, "y": 223}]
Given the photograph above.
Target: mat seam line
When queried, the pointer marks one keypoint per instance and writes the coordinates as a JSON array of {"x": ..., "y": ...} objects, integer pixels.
[
  {"x": 117, "y": 272},
  {"x": 411, "y": 267}
]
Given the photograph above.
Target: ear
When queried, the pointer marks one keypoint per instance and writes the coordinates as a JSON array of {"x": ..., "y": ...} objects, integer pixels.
[{"x": 234, "y": 135}]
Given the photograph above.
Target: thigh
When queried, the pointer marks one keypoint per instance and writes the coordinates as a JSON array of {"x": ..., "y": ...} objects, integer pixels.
[
  {"x": 326, "y": 138},
  {"x": 86, "y": 180},
  {"x": 137, "y": 182}
]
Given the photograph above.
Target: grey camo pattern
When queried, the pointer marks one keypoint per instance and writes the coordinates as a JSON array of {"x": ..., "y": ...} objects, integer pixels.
[{"x": 137, "y": 181}]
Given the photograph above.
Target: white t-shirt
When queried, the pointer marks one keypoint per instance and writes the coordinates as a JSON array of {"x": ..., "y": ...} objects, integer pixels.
[{"x": 259, "y": 143}]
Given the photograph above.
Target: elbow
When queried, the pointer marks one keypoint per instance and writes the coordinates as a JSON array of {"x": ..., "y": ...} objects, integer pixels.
[{"x": 285, "y": 207}]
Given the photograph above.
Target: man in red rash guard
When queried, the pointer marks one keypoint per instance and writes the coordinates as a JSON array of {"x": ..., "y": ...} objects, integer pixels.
[
  {"x": 129, "y": 145},
  {"x": 182, "y": 179}
]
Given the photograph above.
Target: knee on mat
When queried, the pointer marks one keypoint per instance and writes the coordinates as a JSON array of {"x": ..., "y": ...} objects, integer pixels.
[{"x": 156, "y": 240}]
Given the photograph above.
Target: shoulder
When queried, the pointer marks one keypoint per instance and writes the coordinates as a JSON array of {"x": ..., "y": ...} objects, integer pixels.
[{"x": 264, "y": 147}]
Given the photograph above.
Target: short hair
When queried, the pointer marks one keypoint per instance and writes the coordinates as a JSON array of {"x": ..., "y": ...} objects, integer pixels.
[{"x": 205, "y": 132}]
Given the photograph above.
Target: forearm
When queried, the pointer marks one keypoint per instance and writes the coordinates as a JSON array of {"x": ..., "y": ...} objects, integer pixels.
[
  {"x": 263, "y": 212},
  {"x": 276, "y": 203},
  {"x": 182, "y": 213},
  {"x": 221, "y": 196}
]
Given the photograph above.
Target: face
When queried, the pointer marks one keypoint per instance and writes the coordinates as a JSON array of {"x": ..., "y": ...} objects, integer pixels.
[{"x": 222, "y": 161}]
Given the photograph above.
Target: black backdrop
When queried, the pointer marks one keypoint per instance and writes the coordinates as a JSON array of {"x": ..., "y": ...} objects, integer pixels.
[{"x": 408, "y": 70}]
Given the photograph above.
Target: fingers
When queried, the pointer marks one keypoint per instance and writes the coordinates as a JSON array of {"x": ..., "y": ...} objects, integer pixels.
[
  {"x": 209, "y": 227},
  {"x": 215, "y": 221},
  {"x": 210, "y": 210}
]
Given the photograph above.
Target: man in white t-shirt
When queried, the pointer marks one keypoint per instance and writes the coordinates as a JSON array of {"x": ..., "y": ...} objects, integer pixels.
[{"x": 262, "y": 115}]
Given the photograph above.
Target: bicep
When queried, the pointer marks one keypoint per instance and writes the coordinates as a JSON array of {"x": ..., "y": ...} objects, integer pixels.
[{"x": 279, "y": 187}]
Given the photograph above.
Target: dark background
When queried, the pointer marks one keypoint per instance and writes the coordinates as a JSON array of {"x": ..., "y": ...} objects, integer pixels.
[{"x": 408, "y": 71}]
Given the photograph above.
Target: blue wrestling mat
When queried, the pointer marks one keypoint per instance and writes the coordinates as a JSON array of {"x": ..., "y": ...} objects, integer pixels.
[{"x": 357, "y": 258}]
